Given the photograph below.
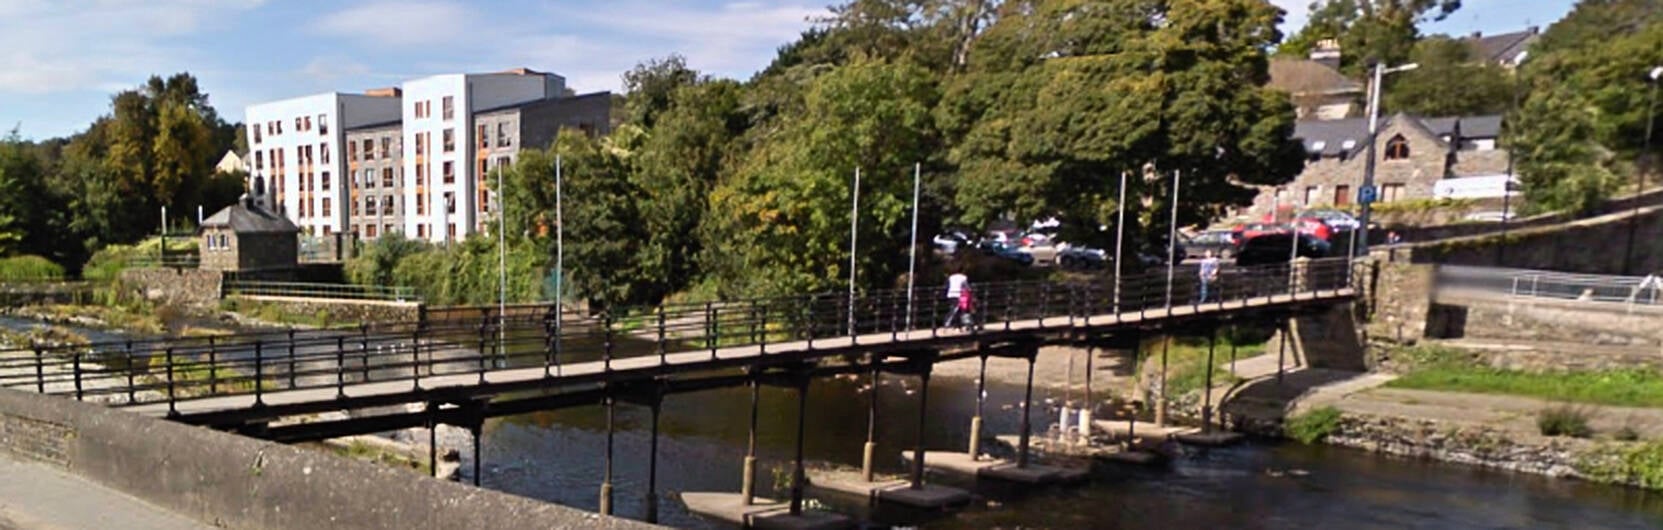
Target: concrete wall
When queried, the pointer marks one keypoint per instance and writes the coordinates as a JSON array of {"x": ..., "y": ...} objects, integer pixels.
[
  {"x": 236, "y": 482},
  {"x": 1494, "y": 316},
  {"x": 176, "y": 286}
]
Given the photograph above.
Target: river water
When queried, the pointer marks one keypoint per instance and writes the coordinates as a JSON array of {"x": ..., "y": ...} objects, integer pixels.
[{"x": 557, "y": 456}]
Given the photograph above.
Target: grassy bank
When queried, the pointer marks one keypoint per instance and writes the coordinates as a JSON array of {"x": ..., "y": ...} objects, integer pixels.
[
  {"x": 1187, "y": 360},
  {"x": 1433, "y": 368}
]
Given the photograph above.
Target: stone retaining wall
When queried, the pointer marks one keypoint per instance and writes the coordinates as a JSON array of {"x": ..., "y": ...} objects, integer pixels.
[
  {"x": 175, "y": 286},
  {"x": 235, "y": 482},
  {"x": 345, "y": 310}
]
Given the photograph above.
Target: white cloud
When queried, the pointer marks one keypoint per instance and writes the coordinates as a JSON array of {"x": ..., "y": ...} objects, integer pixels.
[
  {"x": 393, "y": 24},
  {"x": 59, "y": 46}
]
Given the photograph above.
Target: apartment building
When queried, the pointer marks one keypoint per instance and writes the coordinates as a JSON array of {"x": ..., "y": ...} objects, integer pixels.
[
  {"x": 294, "y": 154},
  {"x": 413, "y": 160},
  {"x": 438, "y": 114},
  {"x": 375, "y": 176},
  {"x": 501, "y": 132}
]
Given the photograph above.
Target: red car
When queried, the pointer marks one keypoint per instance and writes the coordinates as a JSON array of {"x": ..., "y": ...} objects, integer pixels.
[
  {"x": 1314, "y": 227},
  {"x": 1251, "y": 230}
]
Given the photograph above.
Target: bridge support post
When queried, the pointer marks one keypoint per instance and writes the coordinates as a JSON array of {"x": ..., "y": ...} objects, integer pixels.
[
  {"x": 871, "y": 426},
  {"x": 747, "y": 485},
  {"x": 432, "y": 440},
  {"x": 1207, "y": 388},
  {"x": 797, "y": 479},
  {"x": 1027, "y": 405},
  {"x": 1160, "y": 401},
  {"x": 606, "y": 475},
  {"x": 918, "y": 445},
  {"x": 1282, "y": 353},
  {"x": 474, "y": 430},
  {"x": 652, "y": 460},
  {"x": 1086, "y": 408},
  {"x": 976, "y": 421}
]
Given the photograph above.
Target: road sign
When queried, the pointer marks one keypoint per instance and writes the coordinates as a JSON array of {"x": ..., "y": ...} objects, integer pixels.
[{"x": 1367, "y": 194}]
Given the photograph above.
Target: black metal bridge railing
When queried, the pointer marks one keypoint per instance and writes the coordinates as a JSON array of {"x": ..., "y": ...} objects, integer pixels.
[{"x": 184, "y": 369}]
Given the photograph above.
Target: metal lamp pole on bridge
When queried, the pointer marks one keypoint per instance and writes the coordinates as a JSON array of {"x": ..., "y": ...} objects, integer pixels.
[
  {"x": 854, "y": 231},
  {"x": 502, "y": 265},
  {"x": 1119, "y": 236},
  {"x": 559, "y": 258},
  {"x": 1172, "y": 238},
  {"x": 912, "y": 251}
]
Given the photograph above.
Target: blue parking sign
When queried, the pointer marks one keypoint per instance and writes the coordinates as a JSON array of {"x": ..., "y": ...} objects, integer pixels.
[{"x": 1367, "y": 194}]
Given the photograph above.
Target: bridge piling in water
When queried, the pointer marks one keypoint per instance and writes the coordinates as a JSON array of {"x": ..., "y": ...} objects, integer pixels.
[
  {"x": 747, "y": 487},
  {"x": 797, "y": 479},
  {"x": 975, "y": 450},
  {"x": 606, "y": 475},
  {"x": 871, "y": 425},
  {"x": 1027, "y": 404},
  {"x": 1160, "y": 400},
  {"x": 652, "y": 458}
]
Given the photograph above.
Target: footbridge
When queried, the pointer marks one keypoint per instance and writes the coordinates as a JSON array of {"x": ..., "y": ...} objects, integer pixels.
[{"x": 464, "y": 365}]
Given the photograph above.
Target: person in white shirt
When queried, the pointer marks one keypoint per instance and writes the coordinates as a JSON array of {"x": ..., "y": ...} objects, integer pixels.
[{"x": 955, "y": 287}]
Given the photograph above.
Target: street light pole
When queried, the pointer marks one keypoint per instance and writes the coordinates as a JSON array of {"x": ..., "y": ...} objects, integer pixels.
[
  {"x": 1172, "y": 237},
  {"x": 1645, "y": 165},
  {"x": 1119, "y": 237},
  {"x": 1380, "y": 71},
  {"x": 912, "y": 251}
]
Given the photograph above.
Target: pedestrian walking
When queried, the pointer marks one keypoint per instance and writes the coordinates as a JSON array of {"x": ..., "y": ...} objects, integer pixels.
[
  {"x": 1209, "y": 276},
  {"x": 956, "y": 285},
  {"x": 967, "y": 307}
]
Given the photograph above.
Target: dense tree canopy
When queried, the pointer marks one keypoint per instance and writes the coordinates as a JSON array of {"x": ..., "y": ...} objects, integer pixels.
[
  {"x": 1384, "y": 30},
  {"x": 1450, "y": 82}
]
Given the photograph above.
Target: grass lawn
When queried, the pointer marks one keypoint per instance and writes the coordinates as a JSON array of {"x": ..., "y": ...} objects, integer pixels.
[{"x": 1628, "y": 388}]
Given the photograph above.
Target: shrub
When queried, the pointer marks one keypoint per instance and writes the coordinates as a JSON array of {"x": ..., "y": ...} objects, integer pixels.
[
  {"x": 1312, "y": 426},
  {"x": 29, "y": 269},
  {"x": 1564, "y": 420}
]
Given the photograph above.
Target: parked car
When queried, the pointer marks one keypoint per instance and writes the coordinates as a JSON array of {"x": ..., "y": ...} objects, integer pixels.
[
  {"x": 950, "y": 241},
  {"x": 1221, "y": 242},
  {"x": 1335, "y": 219},
  {"x": 1006, "y": 251},
  {"x": 1277, "y": 248},
  {"x": 1314, "y": 227},
  {"x": 1248, "y": 231},
  {"x": 1082, "y": 258}
]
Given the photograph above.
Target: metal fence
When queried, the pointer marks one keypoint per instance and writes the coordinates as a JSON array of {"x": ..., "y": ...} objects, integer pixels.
[
  {"x": 321, "y": 290},
  {"x": 182, "y": 369},
  {"x": 1525, "y": 283}
]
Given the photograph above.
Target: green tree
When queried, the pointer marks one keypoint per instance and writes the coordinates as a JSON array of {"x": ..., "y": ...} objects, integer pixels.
[
  {"x": 781, "y": 223},
  {"x": 651, "y": 85},
  {"x": 1581, "y": 129},
  {"x": 1383, "y": 30},
  {"x": 1062, "y": 96},
  {"x": 1449, "y": 82}
]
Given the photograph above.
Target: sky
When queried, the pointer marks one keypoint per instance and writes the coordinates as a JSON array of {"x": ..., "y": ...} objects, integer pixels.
[{"x": 61, "y": 60}]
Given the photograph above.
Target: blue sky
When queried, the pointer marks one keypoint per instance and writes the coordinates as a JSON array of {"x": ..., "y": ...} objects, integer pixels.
[{"x": 60, "y": 60}]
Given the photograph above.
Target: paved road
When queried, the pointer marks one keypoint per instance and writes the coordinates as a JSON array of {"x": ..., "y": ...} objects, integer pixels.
[{"x": 39, "y": 497}]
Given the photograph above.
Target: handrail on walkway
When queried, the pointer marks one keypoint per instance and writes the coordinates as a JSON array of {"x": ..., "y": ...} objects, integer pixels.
[
  {"x": 1527, "y": 283},
  {"x": 255, "y": 364}
]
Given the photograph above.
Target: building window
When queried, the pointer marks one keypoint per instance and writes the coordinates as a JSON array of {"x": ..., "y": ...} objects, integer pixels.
[
  {"x": 297, "y": 124},
  {"x": 386, "y": 144},
  {"x": 450, "y": 140},
  {"x": 369, "y": 205},
  {"x": 421, "y": 203},
  {"x": 386, "y": 177},
  {"x": 326, "y": 229},
  {"x": 257, "y": 136},
  {"x": 1397, "y": 148},
  {"x": 387, "y": 229},
  {"x": 450, "y": 232},
  {"x": 450, "y": 172},
  {"x": 450, "y": 203},
  {"x": 351, "y": 150},
  {"x": 326, "y": 207},
  {"x": 1311, "y": 194},
  {"x": 421, "y": 174},
  {"x": 449, "y": 107},
  {"x": 1342, "y": 195},
  {"x": 369, "y": 179},
  {"x": 387, "y": 205},
  {"x": 421, "y": 231},
  {"x": 484, "y": 137},
  {"x": 1391, "y": 192},
  {"x": 369, "y": 231},
  {"x": 323, "y": 149},
  {"x": 421, "y": 146},
  {"x": 369, "y": 149},
  {"x": 505, "y": 161},
  {"x": 259, "y": 159},
  {"x": 502, "y": 134},
  {"x": 326, "y": 181},
  {"x": 323, "y": 124}
]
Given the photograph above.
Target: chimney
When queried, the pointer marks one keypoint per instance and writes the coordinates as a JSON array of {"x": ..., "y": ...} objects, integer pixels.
[
  {"x": 1477, "y": 35},
  {"x": 1327, "y": 53}
]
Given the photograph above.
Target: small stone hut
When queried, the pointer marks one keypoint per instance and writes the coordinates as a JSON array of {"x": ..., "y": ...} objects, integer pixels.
[{"x": 245, "y": 237}]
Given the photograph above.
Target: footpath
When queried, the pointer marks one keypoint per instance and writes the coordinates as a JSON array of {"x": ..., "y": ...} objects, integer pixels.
[{"x": 38, "y": 497}]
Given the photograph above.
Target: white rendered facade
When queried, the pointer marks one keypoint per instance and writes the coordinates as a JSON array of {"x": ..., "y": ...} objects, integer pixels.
[
  {"x": 440, "y": 146},
  {"x": 296, "y": 154}
]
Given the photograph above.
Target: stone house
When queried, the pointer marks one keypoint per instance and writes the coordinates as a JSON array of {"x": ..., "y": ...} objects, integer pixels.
[
  {"x": 1412, "y": 155},
  {"x": 244, "y": 237},
  {"x": 1318, "y": 90}
]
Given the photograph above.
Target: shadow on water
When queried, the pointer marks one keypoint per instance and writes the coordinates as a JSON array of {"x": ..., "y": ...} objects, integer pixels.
[{"x": 558, "y": 456}]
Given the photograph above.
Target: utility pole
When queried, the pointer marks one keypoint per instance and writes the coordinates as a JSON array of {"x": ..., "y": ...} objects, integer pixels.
[
  {"x": 1380, "y": 71},
  {"x": 912, "y": 251}
]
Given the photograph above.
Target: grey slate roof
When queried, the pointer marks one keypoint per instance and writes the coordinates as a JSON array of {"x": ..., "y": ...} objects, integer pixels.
[
  {"x": 245, "y": 218},
  {"x": 1303, "y": 76},
  {"x": 1492, "y": 48},
  {"x": 1329, "y": 137},
  {"x": 550, "y": 101}
]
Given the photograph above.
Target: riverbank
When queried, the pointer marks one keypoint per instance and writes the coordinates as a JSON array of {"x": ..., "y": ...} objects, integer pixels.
[{"x": 1506, "y": 427}]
